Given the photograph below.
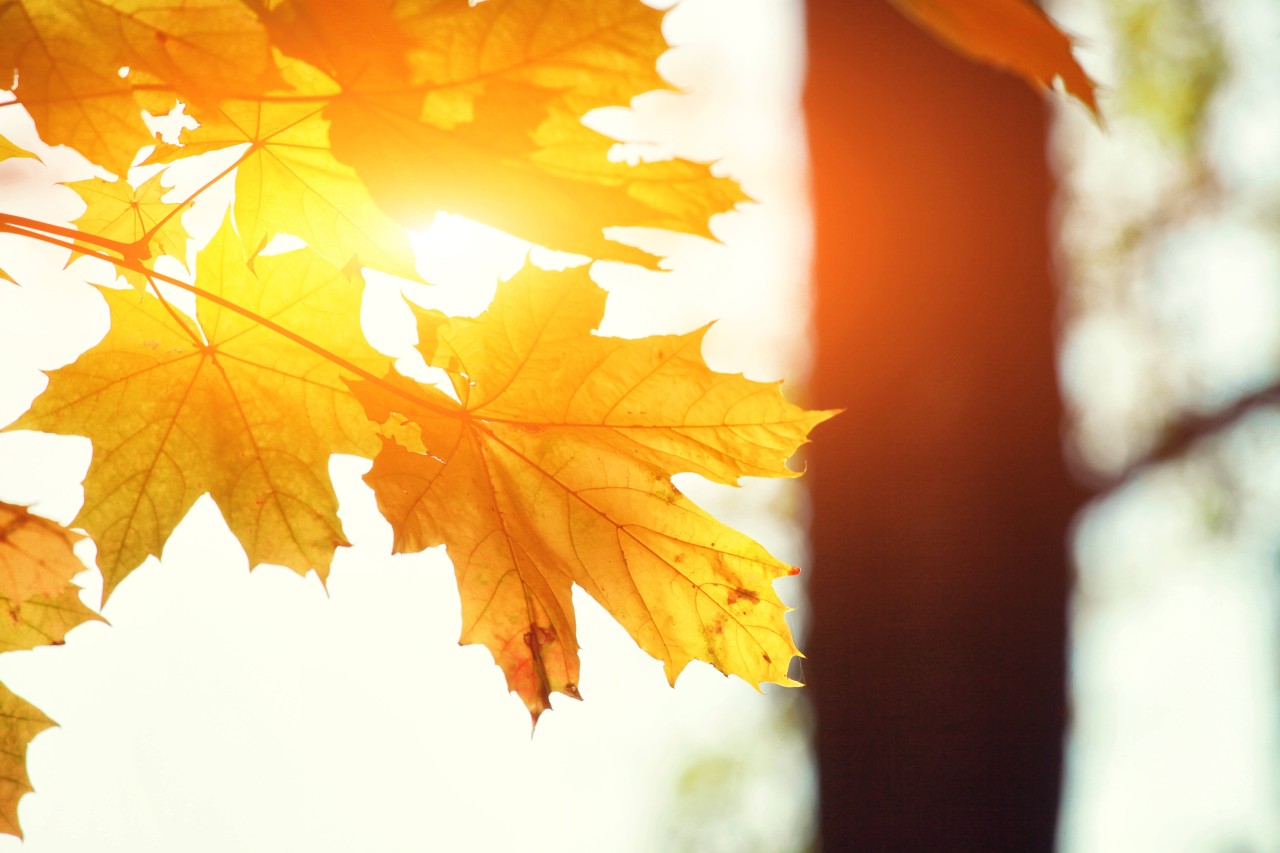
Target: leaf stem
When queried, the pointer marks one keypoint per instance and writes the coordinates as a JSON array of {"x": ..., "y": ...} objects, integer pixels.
[
  {"x": 126, "y": 249},
  {"x": 151, "y": 232},
  {"x": 58, "y": 236},
  {"x": 193, "y": 334}
]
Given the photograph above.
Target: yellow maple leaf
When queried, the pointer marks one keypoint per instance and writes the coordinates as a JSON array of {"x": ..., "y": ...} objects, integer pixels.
[
  {"x": 230, "y": 407},
  {"x": 288, "y": 181},
  {"x": 1010, "y": 34},
  {"x": 134, "y": 217},
  {"x": 42, "y": 620},
  {"x": 20, "y": 721},
  {"x": 35, "y": 555},
  {"x": 9, "y": 151},
  {"x": 555, "y": 469},
  {"x": 68, "y": 55}
]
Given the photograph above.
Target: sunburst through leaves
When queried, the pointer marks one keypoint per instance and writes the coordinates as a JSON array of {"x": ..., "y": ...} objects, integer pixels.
[{"x": 550, "y": 467}]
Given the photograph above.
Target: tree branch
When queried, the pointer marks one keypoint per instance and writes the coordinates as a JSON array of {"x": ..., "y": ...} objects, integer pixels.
[{"x": 1184, "y": 434}]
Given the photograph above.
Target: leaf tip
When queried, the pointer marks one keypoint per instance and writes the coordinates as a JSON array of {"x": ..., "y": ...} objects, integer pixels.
[{"x": 536, "y": 709}]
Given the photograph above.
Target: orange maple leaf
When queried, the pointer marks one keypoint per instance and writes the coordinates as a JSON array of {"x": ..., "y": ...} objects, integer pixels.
[
  {"x": 1010, "y": 34},
  {"x": 553, "y": 468},
  {"x": 68, "y": 55},
  {"x": 38, "y": 605},
  {"x": 35, "y": 555},
  {"x": 477, "y": 111}
]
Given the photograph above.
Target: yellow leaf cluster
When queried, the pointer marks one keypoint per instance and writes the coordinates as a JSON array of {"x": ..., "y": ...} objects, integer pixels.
[
  {"x": 487, "y": 123},
  {"x": 70, "y": 58},
  {"x": 552, "y": 464}
]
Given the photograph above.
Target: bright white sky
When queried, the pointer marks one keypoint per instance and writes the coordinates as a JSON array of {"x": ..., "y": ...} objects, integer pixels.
[{"x": 228, "y": 711}]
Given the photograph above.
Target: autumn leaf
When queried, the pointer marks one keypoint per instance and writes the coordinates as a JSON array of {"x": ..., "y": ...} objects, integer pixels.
[
  {"x": 35, "y": 555},
  {"x": 1010, "y": 34},
  {"x": 38, "y": 606},
  {"x": 9, "y": 151},
  {"x": 20, "y": 721},
  {"x": 552, "y": 464},
  {"x": 477, "y": 111},
  {"x": 38, "y": 601},
  {"x": 419, "y": 106},
  {"x": 554, "y": 469},
  {"x": 42, "y": 620},
  {"x": 68, "y": 55},
  {"x": 289, "y": 182},
  {"x": 340, "y": 123},
  {"x": 590, "y": 56},
  {"x": 325, "y": 34},
  {"x": 226, "y": 406},
  {"x": 135, "y": 217}
]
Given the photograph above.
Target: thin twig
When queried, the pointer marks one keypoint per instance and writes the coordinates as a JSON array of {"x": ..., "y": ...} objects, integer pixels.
[
  {"x": 125, "y": 249},
  {"x": 151, "y": 232},
  {"x": 9, "y": 225}
]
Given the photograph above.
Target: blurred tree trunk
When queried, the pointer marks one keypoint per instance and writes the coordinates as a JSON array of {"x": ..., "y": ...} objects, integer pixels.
[{"x": 941, "y": 500}]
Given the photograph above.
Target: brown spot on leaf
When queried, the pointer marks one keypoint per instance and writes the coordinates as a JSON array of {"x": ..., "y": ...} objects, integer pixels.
[{"x": 539, "y": 636}]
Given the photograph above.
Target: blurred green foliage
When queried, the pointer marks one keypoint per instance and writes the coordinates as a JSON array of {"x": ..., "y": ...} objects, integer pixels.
[
  {"x": 1170, "y": 59},
  {"x": 728, "y": 800}
]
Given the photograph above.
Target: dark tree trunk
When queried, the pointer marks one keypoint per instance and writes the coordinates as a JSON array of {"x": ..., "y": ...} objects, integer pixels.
[{"x": 941, "y": 500}]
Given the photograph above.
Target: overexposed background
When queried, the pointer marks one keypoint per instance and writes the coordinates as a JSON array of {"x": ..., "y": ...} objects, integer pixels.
[{"x": 226, "y": 710}]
